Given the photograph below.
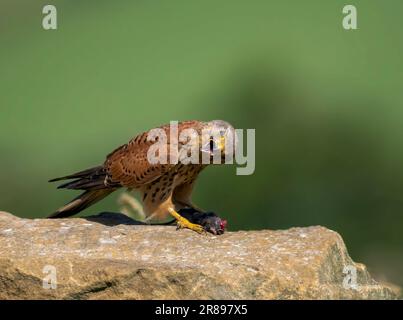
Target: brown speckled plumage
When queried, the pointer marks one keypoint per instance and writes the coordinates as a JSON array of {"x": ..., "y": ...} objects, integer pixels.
[{"x": 162, "y": 186}]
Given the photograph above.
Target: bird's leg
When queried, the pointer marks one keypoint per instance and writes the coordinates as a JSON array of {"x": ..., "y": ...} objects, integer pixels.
[
  {"x": 185, "y": 223},
  {"x": 189, "y": 204},
  {"x": 182, "y": 197}
]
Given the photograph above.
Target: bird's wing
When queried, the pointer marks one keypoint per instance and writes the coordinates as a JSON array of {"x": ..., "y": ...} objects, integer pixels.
[{"x": 129, "y": 165}]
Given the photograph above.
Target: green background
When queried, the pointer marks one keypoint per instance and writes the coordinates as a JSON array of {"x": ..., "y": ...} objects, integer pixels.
[{"x": 326, "y": 104}]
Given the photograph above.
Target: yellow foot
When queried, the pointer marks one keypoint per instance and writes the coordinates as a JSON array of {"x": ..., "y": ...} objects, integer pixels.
[{"x": 185, "y": 223}]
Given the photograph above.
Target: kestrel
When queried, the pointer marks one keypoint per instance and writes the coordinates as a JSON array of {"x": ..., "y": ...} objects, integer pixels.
[{"x": 165, "y": 188}]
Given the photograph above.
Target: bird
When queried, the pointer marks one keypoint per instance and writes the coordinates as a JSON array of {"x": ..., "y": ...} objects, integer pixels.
[{"x": 165, "y": 188}]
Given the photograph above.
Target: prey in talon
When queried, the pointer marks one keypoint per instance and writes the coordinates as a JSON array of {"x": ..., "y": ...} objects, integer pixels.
[
  {"x": 165, "y": 185},
  {"x": 208, "y": 220}
]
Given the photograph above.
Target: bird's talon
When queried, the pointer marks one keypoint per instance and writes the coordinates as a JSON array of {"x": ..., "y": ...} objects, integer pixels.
[{"x": 184, "y": 223}]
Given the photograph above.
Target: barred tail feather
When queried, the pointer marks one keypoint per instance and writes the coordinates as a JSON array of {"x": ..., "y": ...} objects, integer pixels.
[{"x": 82, "y": 202}]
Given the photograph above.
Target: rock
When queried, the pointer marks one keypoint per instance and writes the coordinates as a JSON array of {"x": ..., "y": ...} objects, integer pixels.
[{"x": 111, "y": 257}]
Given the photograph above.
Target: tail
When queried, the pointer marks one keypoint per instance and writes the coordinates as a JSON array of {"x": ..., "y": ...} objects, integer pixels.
[
  {"x": 83, "y": 201},
  {"x": 92, "y": 181}
]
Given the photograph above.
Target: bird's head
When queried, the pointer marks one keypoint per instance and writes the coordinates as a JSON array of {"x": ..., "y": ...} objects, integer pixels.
[{"x": 218, "y": 136}]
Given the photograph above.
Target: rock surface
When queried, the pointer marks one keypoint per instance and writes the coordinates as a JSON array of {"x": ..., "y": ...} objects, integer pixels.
[{"x": 110, "y": 257}]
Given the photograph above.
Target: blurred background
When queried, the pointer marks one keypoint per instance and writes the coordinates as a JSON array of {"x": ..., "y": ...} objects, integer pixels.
[{"x": 326, "y": 103}]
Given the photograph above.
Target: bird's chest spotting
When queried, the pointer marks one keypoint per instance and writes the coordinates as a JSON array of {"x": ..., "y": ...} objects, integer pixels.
[
  {"x": 160, "y": 189},
  {"x": 184, "y": 174}
]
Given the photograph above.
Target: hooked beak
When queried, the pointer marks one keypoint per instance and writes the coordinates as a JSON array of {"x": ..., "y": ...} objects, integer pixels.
[{"x": 221, "y": 143}]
